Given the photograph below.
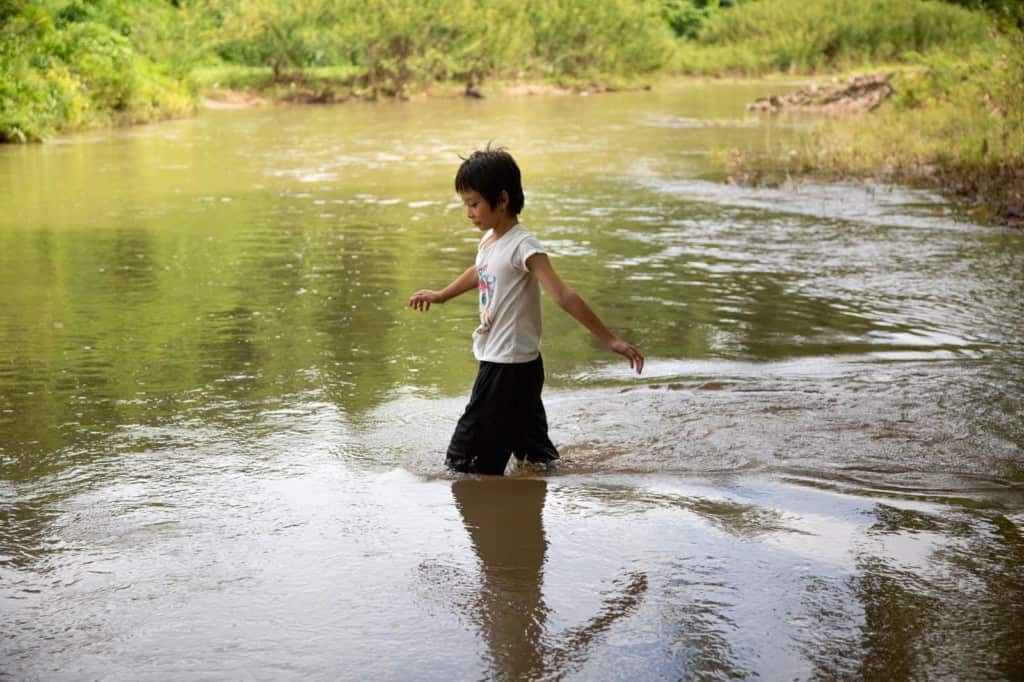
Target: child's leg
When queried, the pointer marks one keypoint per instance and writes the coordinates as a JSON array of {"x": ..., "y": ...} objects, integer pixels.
[
  {"x": 534, "y": 445},
  {"x": 480, "y": 443}
]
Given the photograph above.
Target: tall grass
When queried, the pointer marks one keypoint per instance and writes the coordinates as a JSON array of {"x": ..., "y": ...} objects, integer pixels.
[
  {"x": 956, "y": 121},
  {"x": 801, "y": 36},
  {"x": 953, "y": 124},
  {"x": 392, "y": 44}
]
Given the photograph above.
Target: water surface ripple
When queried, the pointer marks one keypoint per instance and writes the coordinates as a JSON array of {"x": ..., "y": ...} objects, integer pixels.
[{"x": 222, "y": 431}]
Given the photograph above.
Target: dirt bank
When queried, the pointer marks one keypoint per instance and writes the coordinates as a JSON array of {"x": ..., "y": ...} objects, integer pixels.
[{"x": 856, "y": 96}]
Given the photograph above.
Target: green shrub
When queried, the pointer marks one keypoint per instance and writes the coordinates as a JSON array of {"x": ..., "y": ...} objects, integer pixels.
[
  {"x": 73, "y": 63},
  {"x": 35, "y": 97},
  {"x": 578, "y": 38},
  {"x": 396, "y": 44},
  {"x": 101, "y": 59},
  {"x": 393, "y": 45},
  {"x": 797, "y": 35},
  {"x": 287, "y": 37},
  {"x": 687, "y": 17},
  {"x": 66, "y": 71}
]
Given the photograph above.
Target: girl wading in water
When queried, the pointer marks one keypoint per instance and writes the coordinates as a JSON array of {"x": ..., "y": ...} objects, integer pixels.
[{"x": 505, "y": 415}]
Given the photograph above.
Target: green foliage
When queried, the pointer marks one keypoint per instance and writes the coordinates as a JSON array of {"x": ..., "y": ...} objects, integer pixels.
[
  {"x": 687, "y": 17},
  {"x": 578, "y": 38},
  {"x": 1008, "y": 12},
  {"x": 955, "y": 124},
  {"x": 77, "y": 67},
  {"x": 175, "y": 36},
  {"x": 102, "y": 59},
  {"x": 66, "y": 64},
  {"x": 974, "y": 108},
  {"x": 74, "y": 63},
  {"x": 110, "y": 14},
  {"x": 286, "y": 37},
  {"x": 31, "y": 95},
  {"x": 801, "y": 36},
  {"x": 393, "y": 44}
]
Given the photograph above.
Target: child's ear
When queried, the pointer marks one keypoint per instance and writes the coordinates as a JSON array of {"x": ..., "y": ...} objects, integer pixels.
[{"x": 503, "y": 200}]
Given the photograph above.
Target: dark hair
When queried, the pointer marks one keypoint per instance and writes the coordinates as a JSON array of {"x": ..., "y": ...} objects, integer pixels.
[{"x": 489, "y": 172}]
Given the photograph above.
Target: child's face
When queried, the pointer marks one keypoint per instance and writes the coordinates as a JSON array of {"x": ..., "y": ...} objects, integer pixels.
[{"x": 480, "y": 212}]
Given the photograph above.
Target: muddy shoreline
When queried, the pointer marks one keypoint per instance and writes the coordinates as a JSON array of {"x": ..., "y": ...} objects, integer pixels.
[
  {"x": 990, "y": 193},
  {"x": 296, "y": 93}
]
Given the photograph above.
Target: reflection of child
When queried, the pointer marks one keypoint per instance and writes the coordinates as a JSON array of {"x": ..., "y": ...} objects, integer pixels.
[
  {"x": 505, "y": 525},
  {"x": 505, "y": 414}
]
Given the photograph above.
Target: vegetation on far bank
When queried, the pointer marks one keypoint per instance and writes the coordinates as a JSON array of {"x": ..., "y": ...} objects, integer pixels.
[
  {"x": 67, "y": 65},
  {"x": 72, "y": 64},
  {"x": 953, "y": 123}
]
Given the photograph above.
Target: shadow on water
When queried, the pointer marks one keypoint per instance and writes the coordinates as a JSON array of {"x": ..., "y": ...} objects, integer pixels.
[{"x": 504, "y": 521}]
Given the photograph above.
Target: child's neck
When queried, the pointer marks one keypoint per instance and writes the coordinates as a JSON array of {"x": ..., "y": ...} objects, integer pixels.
[{"x": 506, "y": 223}]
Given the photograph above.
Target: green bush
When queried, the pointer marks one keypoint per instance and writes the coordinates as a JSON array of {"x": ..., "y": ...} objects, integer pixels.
[
  {"x": 797, "y": 35},
  {"x": 394, "y": 44},
  {"x": 65, "y": 71},
  {"x": 73, "y": 63},
  {"x": 36, "y": 96},
  {"x": 286, "y": 37},
  {"x": 578, "y": 38},
  {"x": 687, "y": 17},
  {"x": 101, "y": 59}
]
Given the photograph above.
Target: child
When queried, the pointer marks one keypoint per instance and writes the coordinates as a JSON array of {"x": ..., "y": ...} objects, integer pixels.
[{"x": 505, "y": 414}]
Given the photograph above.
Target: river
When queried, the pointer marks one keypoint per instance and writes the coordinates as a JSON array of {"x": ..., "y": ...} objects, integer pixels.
[{"x": 222, "y": 429}]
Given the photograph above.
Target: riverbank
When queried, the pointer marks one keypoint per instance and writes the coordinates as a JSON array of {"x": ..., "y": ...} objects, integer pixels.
[
  {"x": 953, "y": 126},
  {"x": 307, "y": 91},
  {"x": 114, "y": 62},
  {"x": 954, "y": 120},
  {"x": 987, "y": 194}
]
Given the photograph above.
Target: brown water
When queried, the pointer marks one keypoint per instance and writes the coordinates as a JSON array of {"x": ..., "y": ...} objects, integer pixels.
[{"x": 222, "y": 431}]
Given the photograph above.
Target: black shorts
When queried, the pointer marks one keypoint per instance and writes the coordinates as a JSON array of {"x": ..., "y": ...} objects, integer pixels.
[{"x": 504, "y": 417}]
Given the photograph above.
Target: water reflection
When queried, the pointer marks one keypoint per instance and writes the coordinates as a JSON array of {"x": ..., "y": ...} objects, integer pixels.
[
  {"x": 504, "y": 519},
  {"x": 263, "y": 271},
  {"x": 210, "y": 313},
  {"x": 941, "y": 595},
  {"x": 505, "y": 525}
]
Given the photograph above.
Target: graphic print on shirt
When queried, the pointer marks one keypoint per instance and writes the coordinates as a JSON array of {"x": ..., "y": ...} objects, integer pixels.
[{"x": 487, "y": 287}]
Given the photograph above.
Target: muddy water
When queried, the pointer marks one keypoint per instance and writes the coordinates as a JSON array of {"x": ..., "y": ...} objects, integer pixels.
[{"x": 222, "y": 432}]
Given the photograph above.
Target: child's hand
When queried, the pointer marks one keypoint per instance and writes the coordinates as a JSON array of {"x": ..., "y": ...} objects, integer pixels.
[
  {"x": 636, "y": 360},
  {"x": 422, "y": 299}
]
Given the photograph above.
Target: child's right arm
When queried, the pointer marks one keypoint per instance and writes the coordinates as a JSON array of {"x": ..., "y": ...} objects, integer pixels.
[{"x": 422, "y": 299}]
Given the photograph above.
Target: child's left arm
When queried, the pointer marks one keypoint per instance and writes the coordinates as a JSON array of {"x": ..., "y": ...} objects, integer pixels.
[{"x": 571, "y": 302}]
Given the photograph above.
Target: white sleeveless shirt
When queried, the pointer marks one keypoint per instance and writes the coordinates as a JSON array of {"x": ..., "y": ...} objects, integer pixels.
[{"x": 510, "y": 323}]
